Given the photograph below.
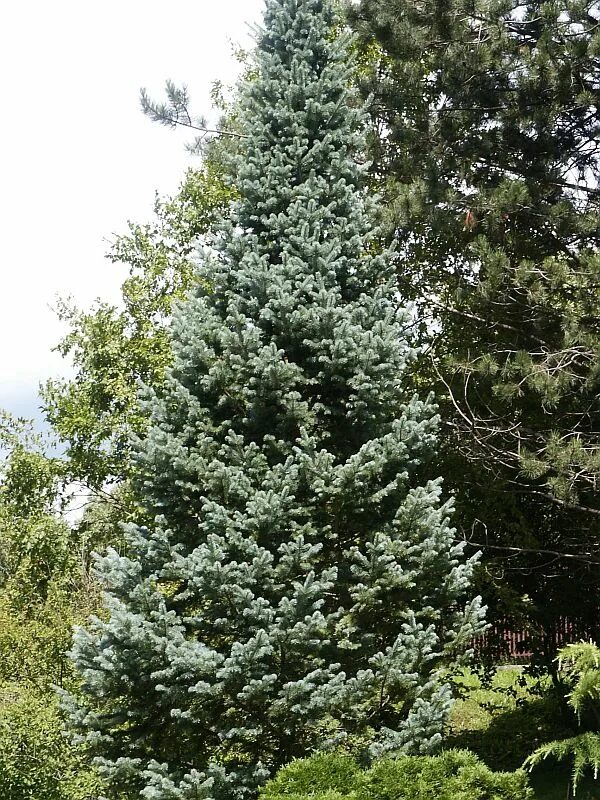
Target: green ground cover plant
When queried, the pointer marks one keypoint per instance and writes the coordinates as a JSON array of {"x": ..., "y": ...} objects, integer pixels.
[{"x": 504, "y": 718}]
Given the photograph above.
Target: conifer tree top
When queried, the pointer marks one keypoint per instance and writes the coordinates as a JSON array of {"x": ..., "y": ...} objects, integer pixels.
[
  {"x": 295, "y": 269},
  {"x": 304, "y": 128}
]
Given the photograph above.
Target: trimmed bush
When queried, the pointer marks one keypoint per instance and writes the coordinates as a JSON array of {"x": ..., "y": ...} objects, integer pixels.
[
  {"x": 454, "y": 775},
  {"x": 328, "y": 776}
]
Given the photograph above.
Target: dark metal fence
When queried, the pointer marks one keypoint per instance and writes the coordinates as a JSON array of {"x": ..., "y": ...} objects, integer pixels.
[{"x": 511, "y": 642}]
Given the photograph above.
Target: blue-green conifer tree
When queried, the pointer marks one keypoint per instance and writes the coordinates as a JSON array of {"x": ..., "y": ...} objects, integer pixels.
[{"x": 300, "y": 581}]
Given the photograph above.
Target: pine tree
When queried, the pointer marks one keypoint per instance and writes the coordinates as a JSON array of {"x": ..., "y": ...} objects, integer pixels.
[
  {"x": 300, "y": 582},
  {"x": 487, "y": 119}
]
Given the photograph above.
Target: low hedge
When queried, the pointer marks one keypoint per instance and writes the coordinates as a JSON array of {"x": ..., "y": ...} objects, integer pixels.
[{"x": 453, "y": 775}]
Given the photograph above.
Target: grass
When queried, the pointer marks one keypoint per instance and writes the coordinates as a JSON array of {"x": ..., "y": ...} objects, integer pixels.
[{"x": 505, "y": 719}]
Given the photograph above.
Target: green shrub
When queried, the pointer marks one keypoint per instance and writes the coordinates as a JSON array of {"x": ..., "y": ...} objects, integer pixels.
[
  {"x": 454, "y": 775},
  {"x": 508, "y": 737},
  {"x": 326, "y": 776},
  {"x": 36, "y": 761},
  {"x": 503, "y": 721}
]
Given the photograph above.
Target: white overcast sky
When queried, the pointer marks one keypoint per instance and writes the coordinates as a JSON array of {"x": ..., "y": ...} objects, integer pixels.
[{"x": 77, "y": 157}]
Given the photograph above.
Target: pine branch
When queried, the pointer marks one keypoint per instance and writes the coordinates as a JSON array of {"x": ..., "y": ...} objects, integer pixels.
[
  {"x": 176, "y": 112},
  {"x": 492, "y": 323}
]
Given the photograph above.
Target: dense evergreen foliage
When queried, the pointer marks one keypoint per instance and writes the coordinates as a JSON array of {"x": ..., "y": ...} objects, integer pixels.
[
  {"x": 300, "y": 580},
  {"x": 580, "y": 664},
  {"x": 485, "y": 143}
]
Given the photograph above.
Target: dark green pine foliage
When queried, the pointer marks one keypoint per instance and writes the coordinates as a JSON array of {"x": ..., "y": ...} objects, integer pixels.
[
  {"x": 487, "y": 120},
  {"x": 301, "y": 581}
]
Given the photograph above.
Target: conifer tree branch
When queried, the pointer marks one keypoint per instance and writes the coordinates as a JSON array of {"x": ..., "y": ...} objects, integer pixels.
[{"x": 176, "y": 113}]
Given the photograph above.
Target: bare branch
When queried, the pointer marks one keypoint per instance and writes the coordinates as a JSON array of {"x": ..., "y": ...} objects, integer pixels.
[{"x": 585, "y": 557}]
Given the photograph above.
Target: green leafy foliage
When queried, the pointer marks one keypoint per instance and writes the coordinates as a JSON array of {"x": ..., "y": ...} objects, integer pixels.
[
  {"x": 44, "y": 591},
  {"x": 34, "y": 544},
  {"x": 113, "y": 349},
  {"x": 30, "y": 480},
  {"x": 36, "y": 760},
  {"x": 503, "y": 716},
  {"x": 454, "y": 775}
]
